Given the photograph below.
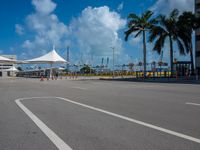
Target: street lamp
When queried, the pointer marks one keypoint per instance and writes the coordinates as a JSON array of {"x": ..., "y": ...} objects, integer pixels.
[
  {"x": 67, "y": 65},
  {"x": 113, "y": 48}
]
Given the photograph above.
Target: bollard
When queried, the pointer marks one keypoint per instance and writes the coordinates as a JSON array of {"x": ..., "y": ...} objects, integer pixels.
[
  {"x": 187, "y": 75},
  {"x": 41, "y": 78},
  {"x": 176, "y": 75}
]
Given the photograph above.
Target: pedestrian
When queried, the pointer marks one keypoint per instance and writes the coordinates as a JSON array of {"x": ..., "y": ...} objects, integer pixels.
[{"x": 56, "y": 75}]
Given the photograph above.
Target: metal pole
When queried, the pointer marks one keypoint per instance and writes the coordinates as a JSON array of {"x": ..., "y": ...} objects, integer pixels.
[
  {"x": 68, "y": 58},
  {"x": 51, "y": 71},
  {"x": 90, "y": 69},
  {"x": 113, "y": 61},
  {"x": 1, "y": 70},
  {"x": 91, "y": 64}
]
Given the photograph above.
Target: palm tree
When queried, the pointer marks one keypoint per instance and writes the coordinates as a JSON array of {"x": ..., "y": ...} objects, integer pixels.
[
  {"x": 140, "y": 24},
  {"x": 187, "y": 23},
  {"x": 166, "y": 27}
]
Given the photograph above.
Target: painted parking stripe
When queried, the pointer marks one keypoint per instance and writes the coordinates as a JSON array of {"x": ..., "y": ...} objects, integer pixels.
[
  {"x": 79, "y": 88},
  {"x": 195, "y": 104},
  {"x": 180, "y": 135},
  {"x": 177, "y": 134},
  {"x": 58, "y": 142}
]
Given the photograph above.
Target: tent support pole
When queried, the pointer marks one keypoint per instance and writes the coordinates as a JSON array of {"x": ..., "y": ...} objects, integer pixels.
[
  {"x": 2, "y": 70},
  {"x": 51, "y": 71}
]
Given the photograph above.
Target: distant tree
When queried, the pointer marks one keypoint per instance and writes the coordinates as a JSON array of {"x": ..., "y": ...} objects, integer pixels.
[
  {"x": 66, "y": 70},
  {"x": 19, "y": 68},
  {"x": 86, "y": 69},
  {"x": 131, "y": 66}
]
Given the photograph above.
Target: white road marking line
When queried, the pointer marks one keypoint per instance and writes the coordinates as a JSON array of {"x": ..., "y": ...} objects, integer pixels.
[
  {"x": 180, "y": 135},
  {"x": 80, "y": 88},
  {"x": 59, "y": 143},
  {"x": 195, "y": 104}
]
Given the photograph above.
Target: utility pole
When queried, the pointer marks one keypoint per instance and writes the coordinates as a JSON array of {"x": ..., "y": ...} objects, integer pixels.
[
  {"x": 161, "y": 59},
  {"x": 113, "y": 48},
  {"x": 91, "y": 64},
  {"x": 67, "y": 58}
]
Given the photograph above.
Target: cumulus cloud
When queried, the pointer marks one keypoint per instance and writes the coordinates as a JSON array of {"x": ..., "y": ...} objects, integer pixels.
[
  {"x": 45, "y": 25},
  {"x": 93, "y": 32},
  {"x": 44, "y": 7},
  {"x": 134, "y": 41},
  {"x": 96, "y": 31},
  {"x": 19, "y": 29},
  {"x": 27, "y": 44},
  {"x": 165, "y": 6},
  {"x": 120, "y": 6}
]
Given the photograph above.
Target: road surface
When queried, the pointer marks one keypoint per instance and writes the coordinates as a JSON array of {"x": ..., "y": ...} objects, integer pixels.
[{"x": 98, "y": 115}]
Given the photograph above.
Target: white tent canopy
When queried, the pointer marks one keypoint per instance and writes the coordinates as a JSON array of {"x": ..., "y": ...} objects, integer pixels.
[
  {"x": 5, "y": 60},
  {"x": 49, "y": 58},
  {"x": 13, "y": 69}
]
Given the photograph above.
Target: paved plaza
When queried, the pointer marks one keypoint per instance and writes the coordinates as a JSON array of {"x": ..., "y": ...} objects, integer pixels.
[{"x": 98, "y": 115}]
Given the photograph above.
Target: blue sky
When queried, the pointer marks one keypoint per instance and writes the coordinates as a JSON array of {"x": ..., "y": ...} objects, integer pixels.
[{"x": 29, "y": 28}]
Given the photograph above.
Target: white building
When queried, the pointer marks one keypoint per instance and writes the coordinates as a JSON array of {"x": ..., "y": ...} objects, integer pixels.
[{"x": 5, "y": 68}]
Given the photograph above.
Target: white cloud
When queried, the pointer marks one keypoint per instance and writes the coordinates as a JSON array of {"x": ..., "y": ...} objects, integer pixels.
[
  {"x": 44, "y": 7},
  {"x": 135, "y": 41},
  {"x": 27, "y": 44},
  {"x": 19, "y": 29},
  {"x": 165, "y": 6},
  {"x": 45, "y": 26},
  {"x": 96, "y": 31},
  {"x": 120, "y": 6}
]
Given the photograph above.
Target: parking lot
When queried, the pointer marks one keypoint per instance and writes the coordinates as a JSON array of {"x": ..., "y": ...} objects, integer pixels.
[{"x": 98, "y": 115}]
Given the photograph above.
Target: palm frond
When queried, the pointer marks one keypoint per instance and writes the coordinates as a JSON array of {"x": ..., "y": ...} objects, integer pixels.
[
  {"x": 174, "y": 14},
  {"x": 138, "y": 33},
  {"x": 159, "y": 44},
  {"x": 155, "y": 32},
  {"x": 161, "y": 19},
  {"x": 181, "y": 47},
  {"x": 147, "y": 15},
  {"x": 133, "y": 23},
  {"x": 153, "y": 21},
  {"x": 129, "y": 32},
  {"x": 186, "y": 38},
  {"x": 133, "y": 16}
]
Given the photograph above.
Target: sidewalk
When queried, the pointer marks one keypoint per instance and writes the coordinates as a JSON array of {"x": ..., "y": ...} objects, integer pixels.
[{"x": 155, "y": 80}]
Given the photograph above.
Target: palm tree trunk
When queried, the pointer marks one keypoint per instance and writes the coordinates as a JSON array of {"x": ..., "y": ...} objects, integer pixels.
[
  {"x": 171, "y": 55},
  {"x": 144, "y": 52}
]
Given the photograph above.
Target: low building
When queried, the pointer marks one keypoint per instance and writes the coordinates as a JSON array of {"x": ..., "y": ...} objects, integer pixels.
[{"x": 5, "y": 67}]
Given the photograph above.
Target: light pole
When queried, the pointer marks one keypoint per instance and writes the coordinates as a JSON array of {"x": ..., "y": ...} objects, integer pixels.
[
  {"x": 113, "y": 48},
  {"x": 67, "y": 59}
]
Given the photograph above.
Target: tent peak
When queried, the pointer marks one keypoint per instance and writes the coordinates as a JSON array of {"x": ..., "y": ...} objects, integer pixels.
[
  {"x": 54, "y": 48},
  {"x": 51, "y": 57}
]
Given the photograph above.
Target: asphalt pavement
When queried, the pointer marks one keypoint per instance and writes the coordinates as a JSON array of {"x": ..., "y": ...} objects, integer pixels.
[{"x": 98, "y": 115}]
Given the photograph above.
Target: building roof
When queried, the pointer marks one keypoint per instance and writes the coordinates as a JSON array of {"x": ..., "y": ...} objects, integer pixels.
[
  {"x": 4, "y": 59},
  {"x": 50, "y": 58}
]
